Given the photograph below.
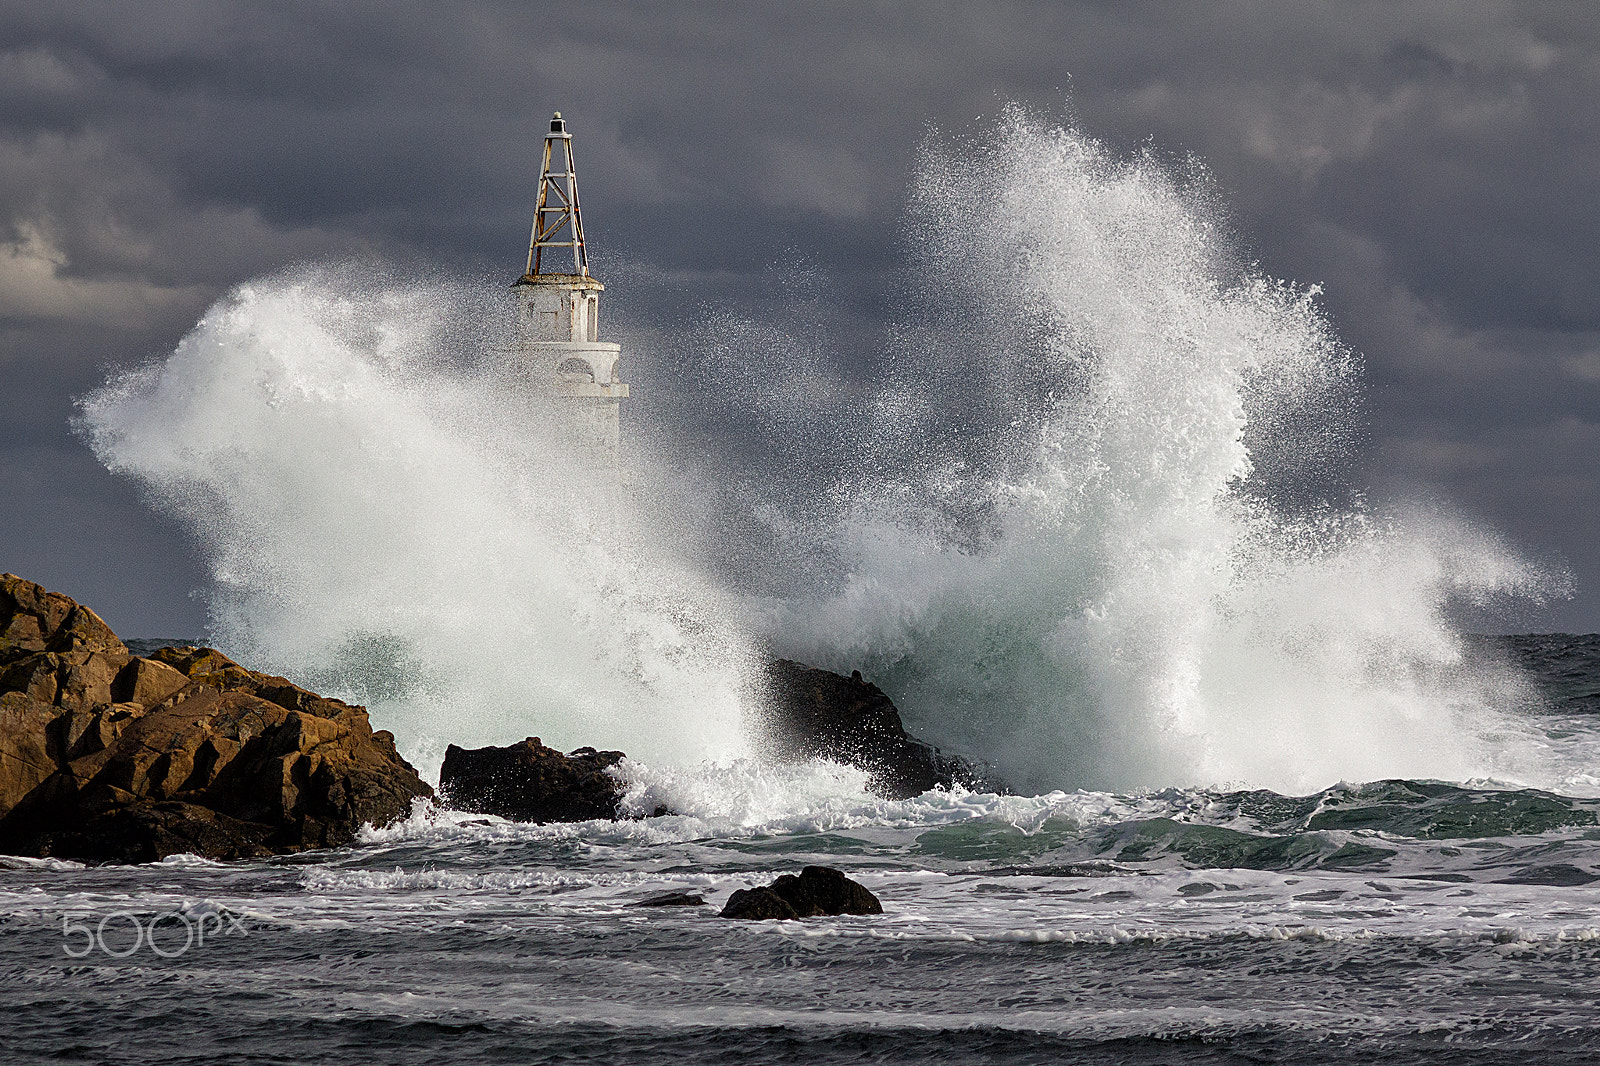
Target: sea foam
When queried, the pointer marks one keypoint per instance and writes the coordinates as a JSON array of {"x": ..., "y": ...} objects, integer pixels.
[
  {"x": 388, "y": 517},
  {"x": 1171, "y": 582},
  {"x": 1098, "y": 528}
]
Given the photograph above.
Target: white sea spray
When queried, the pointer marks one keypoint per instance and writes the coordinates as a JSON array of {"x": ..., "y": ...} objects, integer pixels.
[
  {"x": 1096, "y": 533},
  {"x": 389, "y": 518},
  {"x": 1157, "y": 594}
]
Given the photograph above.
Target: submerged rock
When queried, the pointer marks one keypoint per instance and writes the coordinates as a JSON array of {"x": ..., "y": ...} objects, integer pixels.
[
  {"x": 108, "y": 756},
  {"x": 815, "y": 713},
  {"x": 670, "y": 899},
  {"x": 529, "y": 782},
  {"x": 819, "y": 890}
]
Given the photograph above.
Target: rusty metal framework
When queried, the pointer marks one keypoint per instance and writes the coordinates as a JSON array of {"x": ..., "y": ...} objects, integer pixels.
[{"x": 557, "y": 213}]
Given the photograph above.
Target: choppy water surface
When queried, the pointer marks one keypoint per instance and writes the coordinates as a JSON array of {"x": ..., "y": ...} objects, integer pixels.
[{"x": 1400, "y": 921}]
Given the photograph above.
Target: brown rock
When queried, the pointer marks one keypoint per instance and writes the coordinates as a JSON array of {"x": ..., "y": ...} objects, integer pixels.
[
  {"x": 85, "y": 678},
  {"x": 207, "y": 666},
  {"x": 104, "y": 756},
  {"x": 104, "y": 728},
  {"x": 147, "y": 682},
  {"x": 84, "y": 631},
  {"x": 29, "y": 753},
  {"x": 33, "y": 620},
  {"x": 37, "y": 675},
  {"x": 29, "y": 616}
]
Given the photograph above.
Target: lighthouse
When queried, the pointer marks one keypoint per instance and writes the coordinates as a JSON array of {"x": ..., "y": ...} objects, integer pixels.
[{"x": 559, "y": 304}]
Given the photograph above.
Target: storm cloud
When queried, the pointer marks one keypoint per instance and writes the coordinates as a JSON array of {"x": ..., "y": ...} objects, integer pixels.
[{"x": 1435, "y": 167}]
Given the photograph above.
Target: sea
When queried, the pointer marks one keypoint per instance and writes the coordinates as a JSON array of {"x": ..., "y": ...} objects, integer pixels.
[
  {"x": 1414, "y": 921},
  {"x": 1092, "y": 509}
]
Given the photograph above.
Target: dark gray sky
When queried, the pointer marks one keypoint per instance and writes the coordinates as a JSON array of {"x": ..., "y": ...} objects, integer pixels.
[{"x": 1436, "y": 166}]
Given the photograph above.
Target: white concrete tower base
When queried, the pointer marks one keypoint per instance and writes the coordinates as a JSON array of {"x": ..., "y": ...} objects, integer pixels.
[{"x": 560, "y": 318}]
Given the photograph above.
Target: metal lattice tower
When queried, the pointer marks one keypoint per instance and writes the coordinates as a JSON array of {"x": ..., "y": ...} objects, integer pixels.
[
  {"x": 557, "y": 213},
  {"x": 560, "y": 350}
]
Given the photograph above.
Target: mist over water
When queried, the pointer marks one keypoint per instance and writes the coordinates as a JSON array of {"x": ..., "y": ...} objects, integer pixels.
[
  {"x": 389, "y": 515},
  {"x": 1166, "y": 579},
  {"x": 1091, "y": 521}
]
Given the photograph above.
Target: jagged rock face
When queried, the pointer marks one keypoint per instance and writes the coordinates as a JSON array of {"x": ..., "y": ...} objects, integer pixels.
[
  {"x": 819, "y": 890},
  {"x": 815, "y": 714},
  {"x": 34, "y": 620},
  {"x": 529, "y": 782},
  {"x": 105, "y": 756}
]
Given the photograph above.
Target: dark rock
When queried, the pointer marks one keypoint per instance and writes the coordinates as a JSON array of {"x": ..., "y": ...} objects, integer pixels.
[
  {"x": 529, "y": 782},
  {"x": 758, "y": 904},
  {"x": 809, "y": 714},
  {"x": 671, "y": 899},
  {"x": 824, "y": 890},
  {"x": 146, "y": 831},
  {"x": 813, "y": 713},
  {"x": 105, "y": 756},
  {"x": 819, "y": 890}
]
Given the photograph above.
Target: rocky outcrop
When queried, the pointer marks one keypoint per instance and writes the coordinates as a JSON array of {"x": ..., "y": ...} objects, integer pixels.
[
  {"x": 819, "y": 890},
  {"x": 810, "y": 714},
  {"x": 529, "y": 782},
  {"x": 815, "y": 713},
  {"x": 108, "y": 756}
]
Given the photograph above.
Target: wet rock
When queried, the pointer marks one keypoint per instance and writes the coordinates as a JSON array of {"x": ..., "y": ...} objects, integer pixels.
[
  {"x": 105, "y": 756},
  {"x": 529, "y": 782},
  {"x": 815, "y": 713},
  {"x": 758, "y": 904},
  {"x": 149, "y": 831},
  {"x": 818, "y": 890},
  {"x": 809, "y": 714},
  {"x": 671, "y": 899}
]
